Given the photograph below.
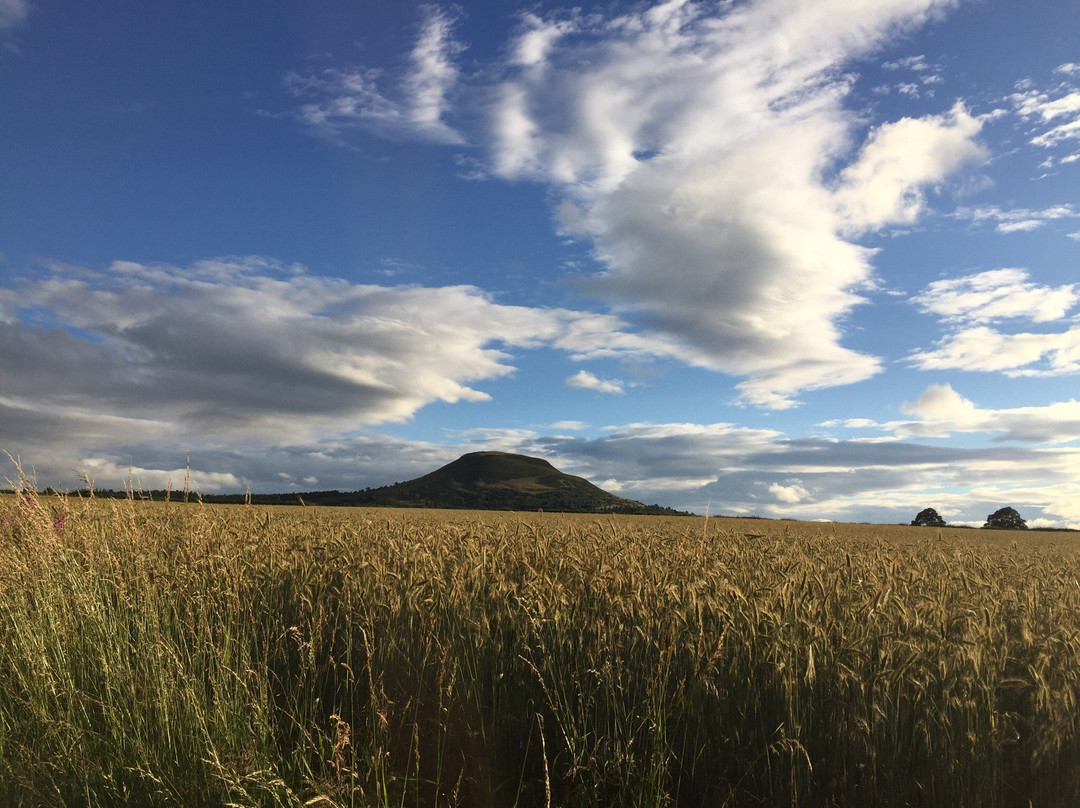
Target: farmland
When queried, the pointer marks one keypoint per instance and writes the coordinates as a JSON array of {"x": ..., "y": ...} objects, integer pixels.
[{"x": 179, "y": 654}]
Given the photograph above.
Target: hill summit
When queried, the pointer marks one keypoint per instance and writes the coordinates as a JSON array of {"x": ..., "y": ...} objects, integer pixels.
[{"x": 502, "y": 481}]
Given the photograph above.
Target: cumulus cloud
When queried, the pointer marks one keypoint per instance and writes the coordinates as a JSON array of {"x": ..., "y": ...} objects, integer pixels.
[
  {"x": 1022, "y": 354},
  {"x": 533, "y": 43},
  {"x": 941, "y": 411},
  {"x": 345, "y": 463},
  {"x": 704, "y": 151},
  {"x": 737, "y": 470},
  {"x": 1033, "y": 464},
  {"x": 691, "y": 144},
  {"x": 137, "y": 478},
  {"x": 975, "y": 305},
  {"x": 884, "y": 186},
  {"x": 789, "y": 494},
  {"x": 940, "y": 404},
  {"x": 583, "y": 380},
  {"x": 997, "y": 294},
  {"x": 342, "y": 100},
  {"x": 247, "y": 349}
]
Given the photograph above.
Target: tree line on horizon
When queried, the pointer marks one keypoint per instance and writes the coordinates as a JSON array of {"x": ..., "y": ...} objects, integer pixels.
[{"x": 1002, "y": 519}]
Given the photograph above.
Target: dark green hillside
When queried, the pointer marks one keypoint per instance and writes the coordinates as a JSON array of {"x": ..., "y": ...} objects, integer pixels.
[{"x": 503, "y": 481}]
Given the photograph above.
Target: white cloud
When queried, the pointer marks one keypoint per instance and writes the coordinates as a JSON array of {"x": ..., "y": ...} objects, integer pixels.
[
  {"x": 789, "y": 494},
  {"x": 1040, "y": 105},
  {"x": 532, "y": 45},
  {"x": 1056, "y": 114},
  {"x": 348, "y": 98},
  {"x": 1060, "y": 134},
  {"x": 251, "y": 349},
  {"x": 690, "y": 144},
  {"x": 1020, "y": 226},
  {"x": 884, "y": 186},
  {"x": 940, "y": 402},
  {"x": 981, "y": 348},
  {"x": 433, "y": 76},
  {"x": 584, "y": 380},
  {"x": 1018, "y": 219},
  {"x": 12, "y": 12},
  {"x": 940, "y": 411},
  {"x": 648, "y": 458},
  {"x": 743, "y": 471},
  {"x": 925, "y": 75},
  {"x": 704, "y": 150},
  {"x": 341, "y": 100},
  {"x": 972, "y": 305},
  {"x": 996, "y": 294},
  {"x": 500, "y": 439},
  {"x": 570, "y": 426},
  {"x": 725, "y": 467},
  {"x": 106, "y": 472},
  {"x": 917, "y": 63},
  {"x": 342, "y": 463}
]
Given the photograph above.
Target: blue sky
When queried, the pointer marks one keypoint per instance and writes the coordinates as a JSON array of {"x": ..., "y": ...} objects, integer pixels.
[{"x": 791, "y": 258}]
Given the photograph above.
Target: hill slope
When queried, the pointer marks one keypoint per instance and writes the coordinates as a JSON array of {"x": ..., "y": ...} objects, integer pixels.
[{"x": 502, "y": 481}]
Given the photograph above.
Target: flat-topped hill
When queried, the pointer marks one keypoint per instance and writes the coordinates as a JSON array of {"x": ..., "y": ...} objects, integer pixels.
[{"x": 503, "y": 481}]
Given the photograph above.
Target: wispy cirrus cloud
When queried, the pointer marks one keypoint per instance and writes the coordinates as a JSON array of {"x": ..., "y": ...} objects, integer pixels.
[
  {"x": 338, "y": 101},
  {"x": 1017, "y": 220},
  {"x": 12, "y": 12},
  {"x": 1054, "y": 114},
  {"x": 917, "y": 63}
]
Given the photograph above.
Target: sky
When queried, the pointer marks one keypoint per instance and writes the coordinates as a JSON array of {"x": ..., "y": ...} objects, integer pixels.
[{"x": 811, "y": 259}]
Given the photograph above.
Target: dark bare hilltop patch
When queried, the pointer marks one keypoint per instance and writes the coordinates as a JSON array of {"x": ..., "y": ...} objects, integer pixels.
[{"x": 504, "y": 481}]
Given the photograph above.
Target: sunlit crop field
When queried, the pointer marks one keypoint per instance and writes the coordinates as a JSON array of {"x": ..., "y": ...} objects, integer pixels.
[{"x": 171, "y": 654}]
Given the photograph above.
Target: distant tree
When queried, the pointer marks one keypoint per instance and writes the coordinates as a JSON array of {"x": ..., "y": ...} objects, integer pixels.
[
  {"x": 1005, "y": 519},
  {"x": 928, "y": 517}
]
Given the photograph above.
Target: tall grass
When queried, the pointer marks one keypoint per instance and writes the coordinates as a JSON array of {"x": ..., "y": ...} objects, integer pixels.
[{"x": 157, "y": 654}]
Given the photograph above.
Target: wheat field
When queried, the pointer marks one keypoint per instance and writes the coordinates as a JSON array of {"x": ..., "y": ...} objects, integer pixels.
[{"x": 178, "y": 654}]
